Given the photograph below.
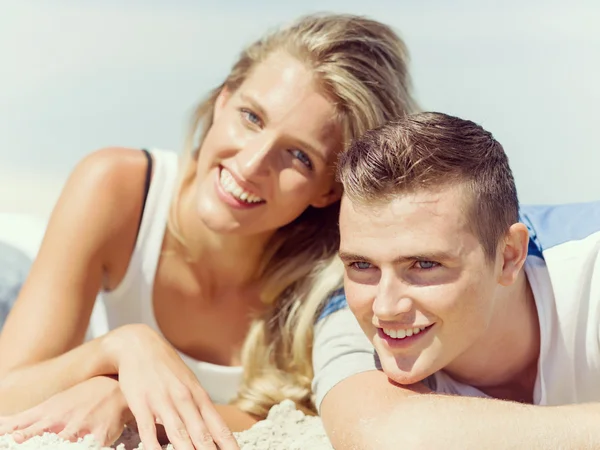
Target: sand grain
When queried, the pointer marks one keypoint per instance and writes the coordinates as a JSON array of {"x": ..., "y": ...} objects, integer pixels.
[{"x": 285, "y": 428}]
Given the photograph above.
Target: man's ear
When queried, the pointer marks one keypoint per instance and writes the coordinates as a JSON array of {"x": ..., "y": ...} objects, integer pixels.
[
  {"x": 221, "y": 101},
  {"x": 514, "y": 253},
  {"x": 329, "y": 197}
]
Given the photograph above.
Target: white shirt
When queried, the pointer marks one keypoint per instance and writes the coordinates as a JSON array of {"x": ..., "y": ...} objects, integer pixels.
[
  {"x": 566, "y": 287},
  {"x": 563, "y": 269}
]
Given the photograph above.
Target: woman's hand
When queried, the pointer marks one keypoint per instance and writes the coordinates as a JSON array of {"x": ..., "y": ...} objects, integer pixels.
[
  {"x": 95, "y": 406},
  {"x": 160, "y": 388}
]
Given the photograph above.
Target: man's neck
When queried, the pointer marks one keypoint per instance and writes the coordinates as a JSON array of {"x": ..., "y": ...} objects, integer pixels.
[{"x": 504, "y": 363}]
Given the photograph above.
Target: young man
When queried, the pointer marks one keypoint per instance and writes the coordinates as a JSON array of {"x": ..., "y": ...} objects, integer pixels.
[{"x": 457, "y": 298}]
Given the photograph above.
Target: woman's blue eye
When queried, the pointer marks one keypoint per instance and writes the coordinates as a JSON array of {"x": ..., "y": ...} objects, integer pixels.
[
  {"x": 361, "y": 265},
  {"x": 303, "y": 157},
  {"x": 426, "y": 265},
  {"x": 251, "y": 117}
]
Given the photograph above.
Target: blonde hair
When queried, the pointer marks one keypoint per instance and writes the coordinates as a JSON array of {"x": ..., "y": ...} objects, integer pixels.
[{"x": 361, "y": 65}]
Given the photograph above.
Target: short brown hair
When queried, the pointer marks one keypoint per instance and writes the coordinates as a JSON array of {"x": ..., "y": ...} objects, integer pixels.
[{"x": 428, "y": 150}]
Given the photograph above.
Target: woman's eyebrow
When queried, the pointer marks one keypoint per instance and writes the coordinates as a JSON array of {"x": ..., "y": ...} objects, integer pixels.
[
  {"x": 255, "y": 105},
  {"x": 309, "y": 148}
]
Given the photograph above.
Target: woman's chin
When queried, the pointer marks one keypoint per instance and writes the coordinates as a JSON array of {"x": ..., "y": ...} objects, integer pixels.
[{"x": 219, "y": 224}]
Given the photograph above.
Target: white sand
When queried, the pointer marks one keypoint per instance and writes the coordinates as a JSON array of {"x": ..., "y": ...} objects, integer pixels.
[{"x": 285, "y": 428}]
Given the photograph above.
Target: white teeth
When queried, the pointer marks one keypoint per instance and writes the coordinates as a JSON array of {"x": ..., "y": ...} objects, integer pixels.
[
  {"x": 401, "y": 334},
  {"x": 230, "y": 185}
]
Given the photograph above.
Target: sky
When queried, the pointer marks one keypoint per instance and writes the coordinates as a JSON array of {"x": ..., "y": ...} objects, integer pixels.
[{"x": 78, "y": 75}]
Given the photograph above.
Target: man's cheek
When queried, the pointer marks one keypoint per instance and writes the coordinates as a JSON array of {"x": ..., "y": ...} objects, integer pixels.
[{"x": 359, "y": 302}]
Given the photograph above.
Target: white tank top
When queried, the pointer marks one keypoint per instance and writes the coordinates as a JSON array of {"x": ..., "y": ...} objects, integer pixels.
[{"x": 131, "y": 301}]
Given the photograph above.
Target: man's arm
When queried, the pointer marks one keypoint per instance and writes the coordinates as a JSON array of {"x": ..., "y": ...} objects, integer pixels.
[
  {"x": 392, "y": 417},
  {"x": 362, "y": 409}
]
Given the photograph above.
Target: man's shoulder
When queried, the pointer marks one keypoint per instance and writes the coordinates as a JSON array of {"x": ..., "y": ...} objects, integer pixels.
[
  {"x": 552, "y": 225},
  {"x": 335, "y": 302}
]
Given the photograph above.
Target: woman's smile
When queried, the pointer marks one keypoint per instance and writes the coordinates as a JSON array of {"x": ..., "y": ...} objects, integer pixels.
[{"x": 230, "y": 191}]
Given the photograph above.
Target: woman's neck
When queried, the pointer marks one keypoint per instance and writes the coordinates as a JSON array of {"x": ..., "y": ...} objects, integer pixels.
[{"x": 221, "y": 259}]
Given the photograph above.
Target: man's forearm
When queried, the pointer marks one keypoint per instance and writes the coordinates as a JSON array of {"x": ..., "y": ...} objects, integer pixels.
[
  {"x": 28, "y": 386},
  {"x": 391, "y": 417},
  {"x": 450, "y": 422}
]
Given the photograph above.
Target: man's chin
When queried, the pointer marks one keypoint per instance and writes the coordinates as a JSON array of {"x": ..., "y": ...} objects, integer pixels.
[
  {"x": 401, "y": 376},
  {"x": 403, "y": 380}
]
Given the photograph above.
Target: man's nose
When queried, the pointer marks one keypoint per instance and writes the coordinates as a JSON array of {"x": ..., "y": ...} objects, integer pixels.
[{"x": 392, "y": 299}]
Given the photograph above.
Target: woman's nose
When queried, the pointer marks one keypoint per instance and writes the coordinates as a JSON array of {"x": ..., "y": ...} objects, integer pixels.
[{"x": 255, "y": 158}]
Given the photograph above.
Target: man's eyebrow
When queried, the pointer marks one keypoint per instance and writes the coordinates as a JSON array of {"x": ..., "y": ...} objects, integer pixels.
[
  {"x": 345, "y": 256},
  {"x": 430, "y": 256}
]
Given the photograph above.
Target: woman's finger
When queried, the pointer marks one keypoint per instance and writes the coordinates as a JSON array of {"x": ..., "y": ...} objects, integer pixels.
[
  {"x": 199, "y": 433},
  {"x": 17, "y": 422},
  {"x": 177, "y": 432},
  {"x": 8, "y": 425},
  {"x": 36, "y": 429},
  {"x": 72, "y": 433},
  {"x": 105, "y": 435},
  {"x": 146, "y": 428},
  {"x": 218, "y": 429}
]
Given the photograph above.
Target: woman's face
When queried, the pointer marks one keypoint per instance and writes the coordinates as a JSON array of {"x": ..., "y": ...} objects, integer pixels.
[{"x": 270, "y": 151}]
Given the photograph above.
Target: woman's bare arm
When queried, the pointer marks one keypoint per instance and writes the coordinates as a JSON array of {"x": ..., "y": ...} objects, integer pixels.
[
  {"x": 90, "y": 237},
  {"x": 235, "y": 418}
]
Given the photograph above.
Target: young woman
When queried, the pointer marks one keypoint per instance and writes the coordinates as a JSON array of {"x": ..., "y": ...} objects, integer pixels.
[{"x": 210, "y": 270}]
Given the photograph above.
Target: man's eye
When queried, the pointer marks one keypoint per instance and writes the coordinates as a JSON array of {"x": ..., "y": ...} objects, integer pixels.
[
  {"x": 426, "y": 265},
  {"x": 251, "y": 117},
  {"x": 302, "y": 157},
  {"x": 361, "y": 265}
]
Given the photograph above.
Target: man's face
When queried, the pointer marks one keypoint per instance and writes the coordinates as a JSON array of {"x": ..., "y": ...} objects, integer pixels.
[{"x": 417, "y": 279}]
